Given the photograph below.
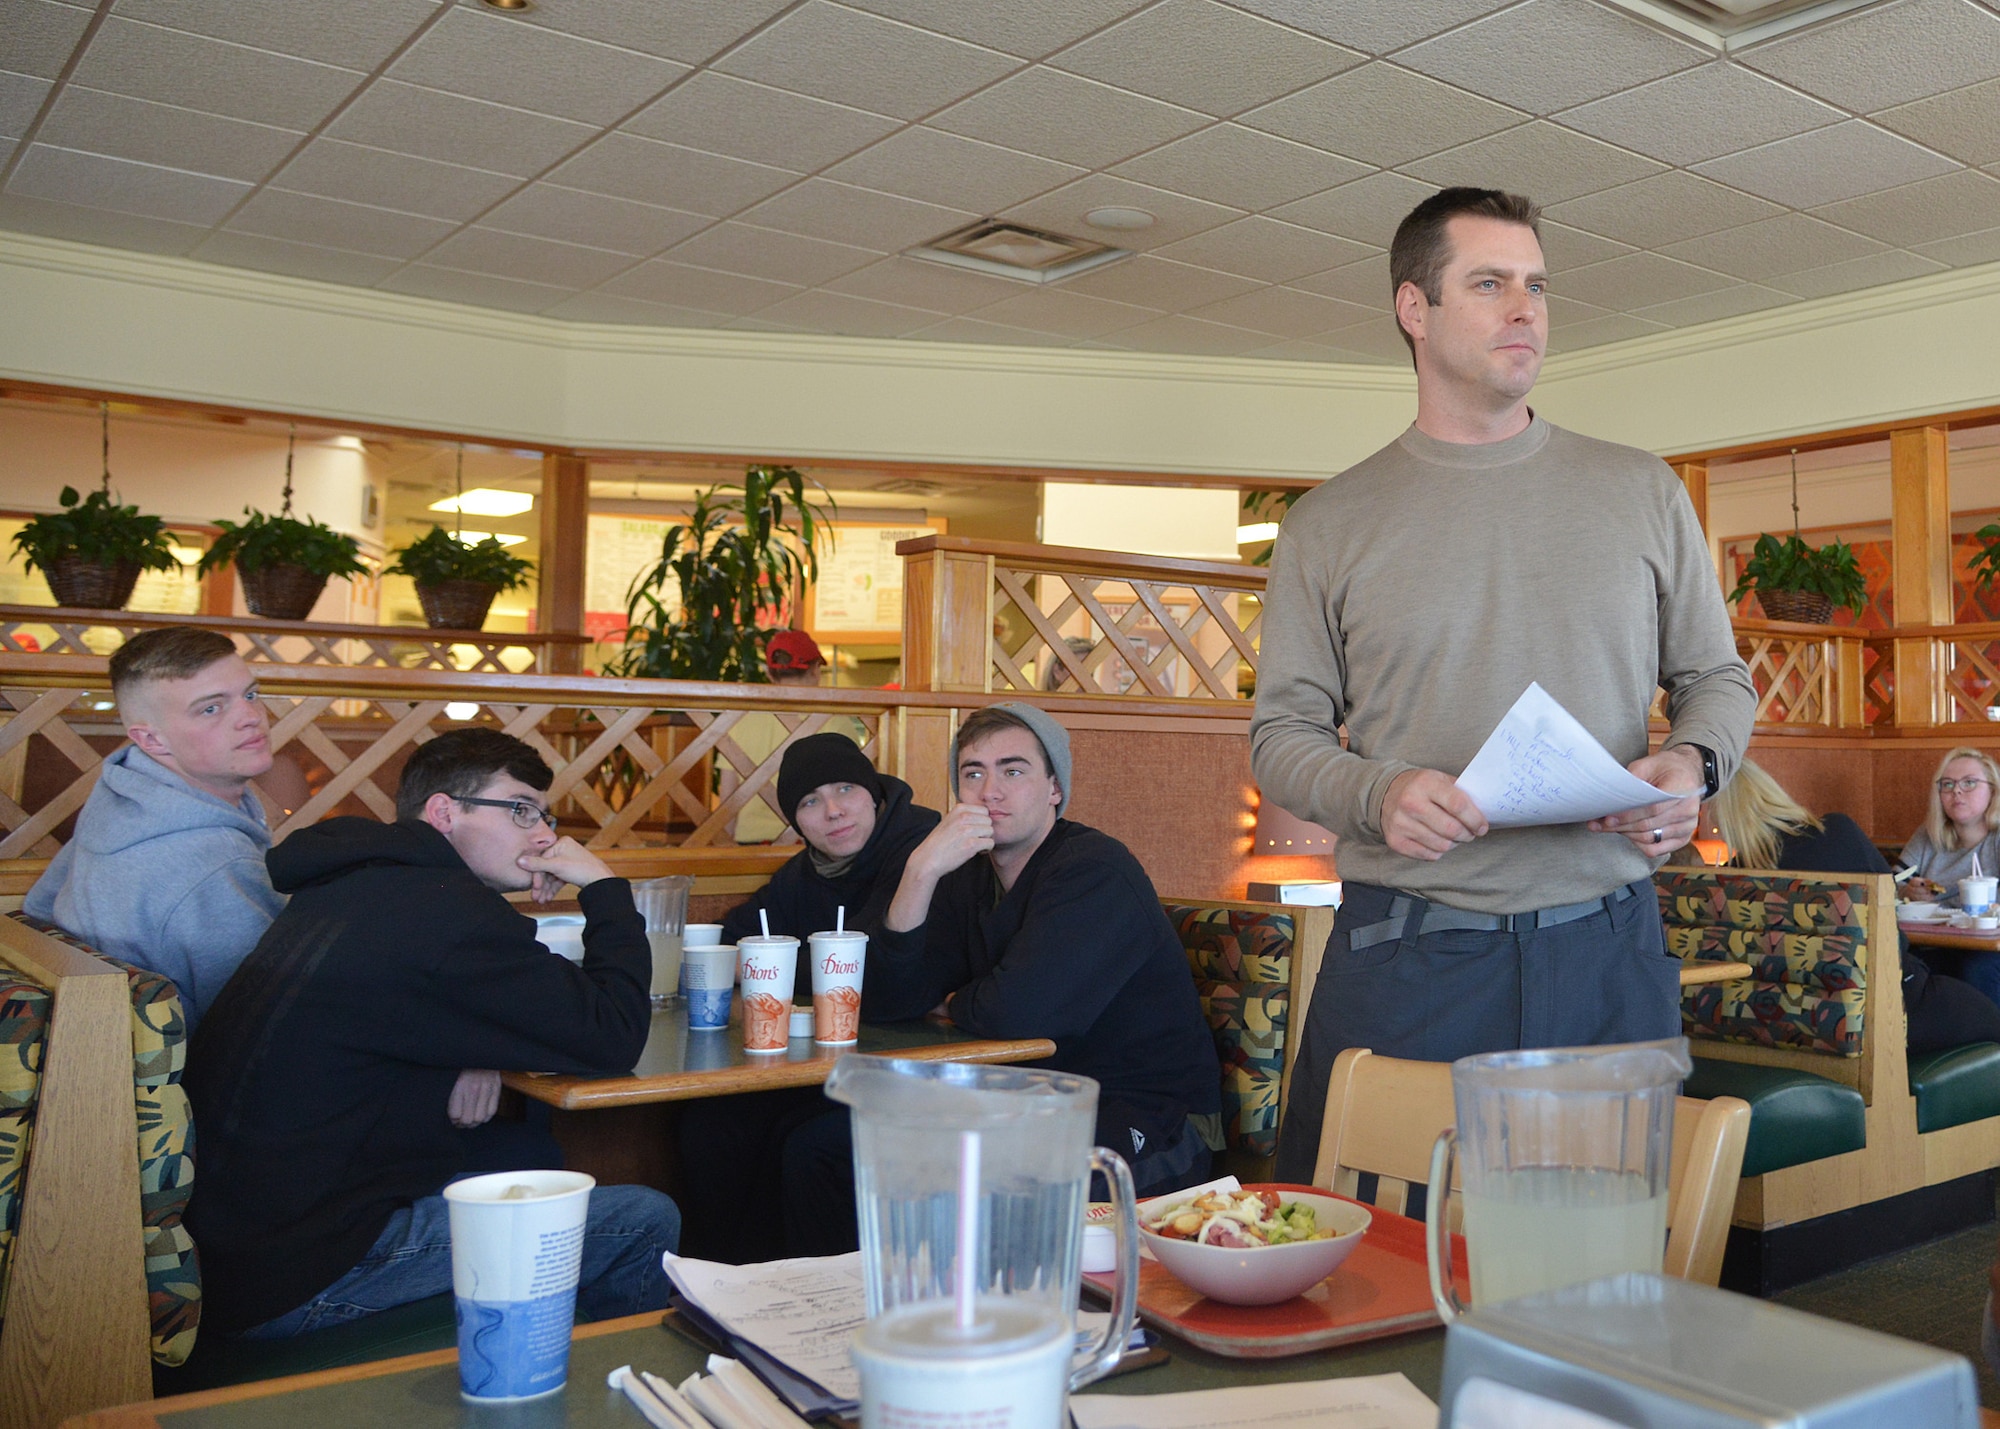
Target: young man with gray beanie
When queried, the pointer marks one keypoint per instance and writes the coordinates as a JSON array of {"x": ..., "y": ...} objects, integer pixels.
[{"x": 1037, "y": 926}]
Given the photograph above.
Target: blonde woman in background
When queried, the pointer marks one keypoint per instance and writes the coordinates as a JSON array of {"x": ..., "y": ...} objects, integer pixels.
[
  {"x": 1767, "y": 828},
  {"x": 1963, "y": 824}
]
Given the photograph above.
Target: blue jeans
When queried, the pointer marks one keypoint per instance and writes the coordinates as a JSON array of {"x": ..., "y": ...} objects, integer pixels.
[
  {"x": 624, "y": 1235},
  {"x": 1982, "y": 970}
]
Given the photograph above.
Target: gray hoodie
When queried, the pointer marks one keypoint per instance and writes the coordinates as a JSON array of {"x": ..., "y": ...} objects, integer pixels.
[{"x": 164, "y": 875}]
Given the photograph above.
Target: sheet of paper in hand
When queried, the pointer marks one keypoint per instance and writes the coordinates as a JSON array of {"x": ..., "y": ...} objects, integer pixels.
[{"x": 1539, "y": 766}]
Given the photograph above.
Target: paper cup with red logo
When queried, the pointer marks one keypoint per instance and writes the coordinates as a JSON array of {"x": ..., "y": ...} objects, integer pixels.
[
  {"x": 766, "y": 968},
  {"x": 516, "y": 1250},
  {"x": 836, "y": 960}
]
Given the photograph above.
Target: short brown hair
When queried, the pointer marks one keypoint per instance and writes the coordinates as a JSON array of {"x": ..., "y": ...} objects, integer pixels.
[
  {"x": 984, "y": 723},
  {"x": 1421, "y": 248},
  {"x": 171, "y": 654},
  {"x": 461, "y": 762}
]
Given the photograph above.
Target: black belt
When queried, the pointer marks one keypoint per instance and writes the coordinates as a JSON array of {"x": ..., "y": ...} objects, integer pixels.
[{"x": 1439, "y": 918}]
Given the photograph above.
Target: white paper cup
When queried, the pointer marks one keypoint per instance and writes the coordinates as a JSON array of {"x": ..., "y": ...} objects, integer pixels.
[
  {"x": 767, "y": 968},
  {"x": 702, "y": 935},
  {"x": 837, "y": 960},
  {"x": 711, "y": 978},
  {"x": 1976, "y": 895},
  {"x": 516, "y": 1248},
  {"x": 917, "y": 1369}
]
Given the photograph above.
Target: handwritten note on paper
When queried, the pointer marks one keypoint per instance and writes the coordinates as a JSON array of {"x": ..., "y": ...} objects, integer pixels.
[
  {"x": 800, "y": 1312},
  {"x": 1539, "y": 766},
  {"x": 1379, "y": 1401}
]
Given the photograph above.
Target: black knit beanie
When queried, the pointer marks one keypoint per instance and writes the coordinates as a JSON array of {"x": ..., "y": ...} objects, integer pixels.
[{"x": 823, "y": 759}]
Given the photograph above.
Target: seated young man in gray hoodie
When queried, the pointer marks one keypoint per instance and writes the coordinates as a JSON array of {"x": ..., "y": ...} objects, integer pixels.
[{"x": 166, "y": 868}]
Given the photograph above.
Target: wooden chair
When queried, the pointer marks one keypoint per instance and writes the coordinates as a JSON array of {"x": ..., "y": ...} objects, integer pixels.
[{"x": 1384, "y": 1113}]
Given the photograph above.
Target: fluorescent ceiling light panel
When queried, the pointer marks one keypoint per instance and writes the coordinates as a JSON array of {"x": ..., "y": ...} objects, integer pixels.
[
  {"x": 473, "y": 538},
  {"x": 1027, "y": 255},
  {"x": 487, "y": 501}
]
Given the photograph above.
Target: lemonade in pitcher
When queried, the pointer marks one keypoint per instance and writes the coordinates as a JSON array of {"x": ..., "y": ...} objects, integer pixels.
[{"x": 1542, "y": 1227}]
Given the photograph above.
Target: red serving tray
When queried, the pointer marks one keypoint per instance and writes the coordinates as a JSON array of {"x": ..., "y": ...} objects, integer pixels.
[{"x": 1383, "y": 1288}]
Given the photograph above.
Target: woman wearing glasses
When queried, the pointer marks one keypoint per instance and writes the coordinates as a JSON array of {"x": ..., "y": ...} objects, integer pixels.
[{"x": 1961, "y": 827}]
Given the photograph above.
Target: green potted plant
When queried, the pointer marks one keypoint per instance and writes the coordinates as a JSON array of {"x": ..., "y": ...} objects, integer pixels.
[
  {"x": 283, "y": 562},
  {"x": 739, "y": 556},
  {"x": 456, "y": 582},
  {"x": 1794, "y": 581},
  {"x": 91, "y": 551},
  {"x": 1985, "y": 567}
]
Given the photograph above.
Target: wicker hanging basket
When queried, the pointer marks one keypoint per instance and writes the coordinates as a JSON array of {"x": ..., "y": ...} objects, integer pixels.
[
  {"x": 456, "y": 605},
  {"x": 91, "y": 585},
  {"x": 1804, "y": 606},
  {"x": 281, "y": 592}
]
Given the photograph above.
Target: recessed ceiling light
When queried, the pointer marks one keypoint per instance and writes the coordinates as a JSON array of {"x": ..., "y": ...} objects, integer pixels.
[
  {"x": 473, "y": 538},
  {"x": 1010, "y": 250},
  {"x": 512, "y": 6},
  {"x": 487, "y": 501},
  {"x": 1125, "y": 220}
]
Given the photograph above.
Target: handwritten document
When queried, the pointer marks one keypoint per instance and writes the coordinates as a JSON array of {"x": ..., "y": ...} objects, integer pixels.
[
  {"x": 1539, "y": 766},
  {"x": 1380, "y": 1401},
  {"x": 801, "y": 1313}
]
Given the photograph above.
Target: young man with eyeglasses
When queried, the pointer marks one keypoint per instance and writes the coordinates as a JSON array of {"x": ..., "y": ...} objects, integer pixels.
[{"x": 323, "y": 1076}]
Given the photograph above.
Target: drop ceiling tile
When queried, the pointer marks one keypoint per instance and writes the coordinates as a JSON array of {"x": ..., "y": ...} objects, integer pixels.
[
  {"x": 1965, "y": 250},
  {"x": 22, "y": 214},
  {"x": 66, "y": 176},
  {"x": 1826, "y": 165},
  {"x": 479, "y": 290},
  {"x": 661, "y": 281},
  {"x": 1369, "y": 24},
  {"x": 1378, "y": 338},
  {"x": 1887, "y": 54},
  {"x": 172, "y": 67},
  {"x": 1566, "y": 248},
  {"x": 21, "y": 97},
  {"x": 1284, "y": 312},
  {"x": 1365, "y": 283},
  {"x": 1159, "y": 283},
  {"x": 912, "y": 282},
  {"x": 41, "y": 35},
  {"x": 534, "y": 260},
  {"x": 1663, "y": 209},
  {"x": 483, "y": 55},
  {"x": 626, "y": 166},
  {"x": 1617, "y": 327},
  {"x": 1240, "y": 167},
  {"x": 1061, "y": 312},
  {"x": 691, "y": 30},
  {"x": 863, "y": 60},
  {"x": 297, "y": 260},
  {"x": 1568, "y": 310},
  {"x": 949, "y": 169},
  {"x": 331, "y": 223},
  {"x": 821, "y": 311},
  {"x": 1785, "y": 244},
  {"x": 7, "y": 148},
  {"x": 600, "y": 307},
  {"x": 820, "y": 208},
  {"x": 958, "y": 329},
  {"x": 1061, "y": 116},
  {"x": 1029, "y": 28},
  {"x": 333, "y": 169},
  {"x": 1299, "y": 350},
  {"x": 1715, "y": 306},
  {"x": 456, "y": 130},
  {"x": 754, "y": 121},
  {"x": 1192, "y": 336},
  {"x": 1856, "y": 273},
  {"x": 1547, "y": 55},
  {"x": 1637, "y": 280},
  {"x": 1366, "y": 210},
  {"x": 1540, "y": 160},
  {"x": 1959, "y": 123},
  {"x": 767, "y": 253},
  {"x": 1264, "y": 248},
  {"x": 1175, "y": 215},
  {"x": 1169, "y": 52},
  {"x": 1366, "y": 115},
  {"x": 357, "y": 34},
  {"x": 101, "y": 123},
  {"x": 1923, "y": 212},
  {"x": 1701, "y": 113},
  {"x": 573, "y": 216}
]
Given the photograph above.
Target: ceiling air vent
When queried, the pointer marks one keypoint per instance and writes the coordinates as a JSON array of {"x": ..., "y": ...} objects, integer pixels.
[
  {"x": 1738, "y": 24},
  {"x": 1027, "y": 255}
]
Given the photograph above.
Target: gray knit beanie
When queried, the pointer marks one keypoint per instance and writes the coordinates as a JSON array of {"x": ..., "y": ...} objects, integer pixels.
[{"x": 1054, "y": 740}]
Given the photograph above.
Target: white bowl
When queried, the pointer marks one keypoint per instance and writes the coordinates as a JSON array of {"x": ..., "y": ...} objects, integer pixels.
[
  {"x": 1917, "y": 912},
  {"x": 1265, "y": 1274}
]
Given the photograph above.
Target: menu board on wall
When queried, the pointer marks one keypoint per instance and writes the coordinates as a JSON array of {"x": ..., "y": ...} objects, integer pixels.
[
  {"x": 859, "y": 595},
  {"x": 621, "y": 546}
]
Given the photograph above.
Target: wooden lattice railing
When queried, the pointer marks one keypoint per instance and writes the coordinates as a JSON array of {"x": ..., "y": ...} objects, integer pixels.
[
  {"x": 1804, "y": 674},
  {"x": 60, "y": 630}
]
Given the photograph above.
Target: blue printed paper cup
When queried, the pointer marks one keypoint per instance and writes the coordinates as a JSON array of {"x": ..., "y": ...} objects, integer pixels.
[
  {"x": 516, "y": 1248},
  {"x": 711, "y": 977}
]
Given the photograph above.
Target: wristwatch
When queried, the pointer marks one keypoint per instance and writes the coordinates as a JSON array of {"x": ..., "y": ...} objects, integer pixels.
[{"x": 1711, "y": 781}]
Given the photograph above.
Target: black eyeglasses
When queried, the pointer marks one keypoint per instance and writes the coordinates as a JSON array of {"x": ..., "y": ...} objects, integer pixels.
[{"x": 521, "y": 811}]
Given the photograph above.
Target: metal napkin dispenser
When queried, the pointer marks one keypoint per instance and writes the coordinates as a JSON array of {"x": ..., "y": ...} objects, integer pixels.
[{"x": 1646, "y": 1352}]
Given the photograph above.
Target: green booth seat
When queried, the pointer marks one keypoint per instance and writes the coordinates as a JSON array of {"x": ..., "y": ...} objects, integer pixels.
[
  {"x": 1794, "y": 1116},
  {"x": 1957, "y": 1085}
]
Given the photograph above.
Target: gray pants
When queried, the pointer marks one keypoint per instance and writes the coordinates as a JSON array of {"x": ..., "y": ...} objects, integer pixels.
[{"x": 1436, "y": 997}]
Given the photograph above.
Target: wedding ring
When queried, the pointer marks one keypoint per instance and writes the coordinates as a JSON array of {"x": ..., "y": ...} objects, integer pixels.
[{"x": 1659, "y": 836}]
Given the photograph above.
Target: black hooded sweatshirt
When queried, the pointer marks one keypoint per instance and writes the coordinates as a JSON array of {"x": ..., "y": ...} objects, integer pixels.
[
  {"x": 801, "y": 901},
  {"x": 320, "y": 1074}
]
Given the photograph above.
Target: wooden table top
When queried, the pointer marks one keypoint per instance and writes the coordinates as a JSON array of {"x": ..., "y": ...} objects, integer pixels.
[
  {"x": 1694, "y": 974},
  {"x": 1943, "y": 935},
  {"x": 678, "y": 1064}
]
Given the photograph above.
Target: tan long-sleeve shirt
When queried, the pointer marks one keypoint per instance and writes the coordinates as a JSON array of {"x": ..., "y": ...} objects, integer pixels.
[{"x": 1414, "y": 596}]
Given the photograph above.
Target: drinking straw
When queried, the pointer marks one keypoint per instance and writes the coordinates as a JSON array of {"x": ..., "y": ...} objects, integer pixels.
[
  {"x": 965, "y": 1278},
  {"x": 840, "y": 913},
  {"x": 765, "y": 919}
]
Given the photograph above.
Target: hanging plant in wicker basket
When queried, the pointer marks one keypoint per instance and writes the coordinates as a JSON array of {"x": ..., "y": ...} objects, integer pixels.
[
  {"x": 1794, "y": 581},
  {"x": 456, "y": 582},
  {"x": 283, "y": 562},
  {"x": 92, "y": 551}
]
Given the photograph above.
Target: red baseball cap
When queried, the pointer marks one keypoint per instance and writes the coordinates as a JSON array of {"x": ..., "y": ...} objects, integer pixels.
[{"x": 792, "y": 650}]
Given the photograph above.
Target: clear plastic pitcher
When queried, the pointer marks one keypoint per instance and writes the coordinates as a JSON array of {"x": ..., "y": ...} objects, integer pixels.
[
  {"x": 1564, "y": 1157},
  {"x": 663, "y": 903},
  {"x": 1028, "y": 1134}
]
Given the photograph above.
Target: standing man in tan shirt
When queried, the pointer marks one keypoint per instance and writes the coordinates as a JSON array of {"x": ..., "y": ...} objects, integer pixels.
[{"x": 1412, "y": 599}]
